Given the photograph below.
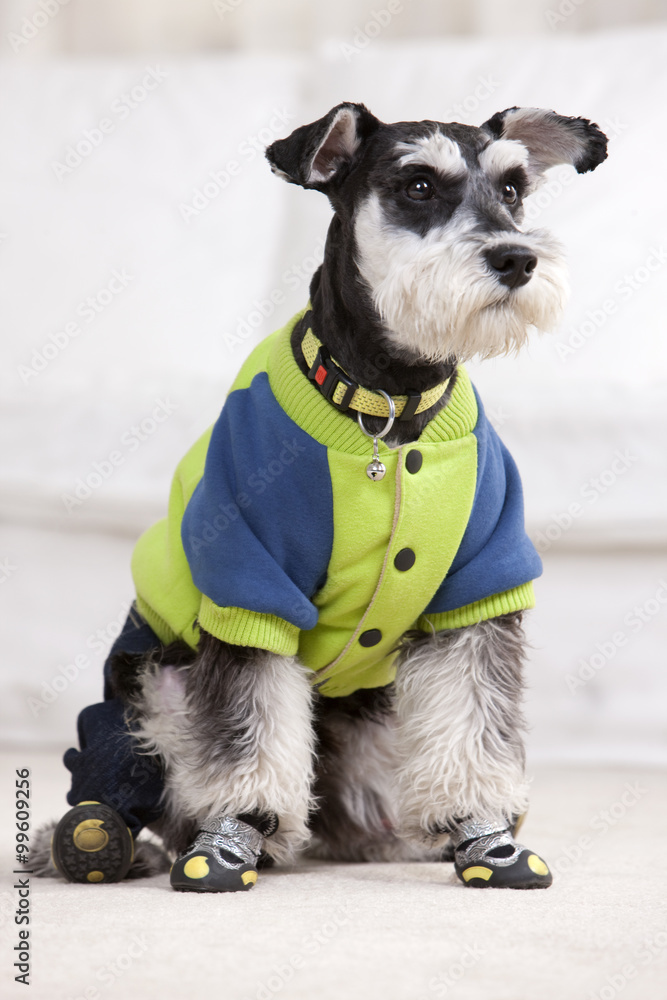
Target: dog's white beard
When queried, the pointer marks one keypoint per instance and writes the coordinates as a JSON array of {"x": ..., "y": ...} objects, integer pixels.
[{"x": 437, "y": 297}]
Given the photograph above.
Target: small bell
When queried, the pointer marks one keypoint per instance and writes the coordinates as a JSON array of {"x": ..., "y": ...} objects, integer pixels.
[{"x": 375, "y": 470}]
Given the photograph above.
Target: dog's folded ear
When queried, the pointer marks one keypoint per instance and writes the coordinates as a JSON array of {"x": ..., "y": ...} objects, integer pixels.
[
  {"x": 551, "y": 138},
  {"x": 315, "y": 155}
]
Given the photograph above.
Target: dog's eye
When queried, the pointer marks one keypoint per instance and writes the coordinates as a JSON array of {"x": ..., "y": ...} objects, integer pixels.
[
  {"x": 509, "y": 193},
  {"x": 420, "y": 189}
]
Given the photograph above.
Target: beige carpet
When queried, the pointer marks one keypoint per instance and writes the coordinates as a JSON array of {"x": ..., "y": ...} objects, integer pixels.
[{"x": 391, "y": 932}]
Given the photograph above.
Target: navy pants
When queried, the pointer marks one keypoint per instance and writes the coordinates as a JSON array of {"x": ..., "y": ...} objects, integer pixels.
[{"x": 108, "y": 767}]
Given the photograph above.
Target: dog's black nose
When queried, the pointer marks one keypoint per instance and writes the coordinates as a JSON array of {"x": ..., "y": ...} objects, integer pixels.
[{"x": 512, "y": 265}]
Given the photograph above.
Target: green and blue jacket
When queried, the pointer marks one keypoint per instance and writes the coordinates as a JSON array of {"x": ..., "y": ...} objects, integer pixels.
[{"x": 276, "y": 538}]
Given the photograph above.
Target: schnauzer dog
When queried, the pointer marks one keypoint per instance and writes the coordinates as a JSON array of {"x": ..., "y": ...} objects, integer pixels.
[{"x": 326, "y": 645}]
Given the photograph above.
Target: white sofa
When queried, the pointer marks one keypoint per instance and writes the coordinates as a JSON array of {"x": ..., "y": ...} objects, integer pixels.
[{"x": 132, "y": 247}]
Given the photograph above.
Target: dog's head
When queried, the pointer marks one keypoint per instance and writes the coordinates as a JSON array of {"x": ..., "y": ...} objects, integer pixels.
[{"x": 431, "y": 214}]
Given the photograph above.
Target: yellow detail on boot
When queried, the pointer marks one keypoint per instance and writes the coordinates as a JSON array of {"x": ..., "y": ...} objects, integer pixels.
[
  {"x": 89, "y": 802},
  {"x": 249, "y": 878},
  {"x": 537, "y": 865},
  {"x": 478, "y": 871},
  {"x": 95, "y": 876},
  {"x": 89, "y": 837},
  {"x": 196, "y": 867}
]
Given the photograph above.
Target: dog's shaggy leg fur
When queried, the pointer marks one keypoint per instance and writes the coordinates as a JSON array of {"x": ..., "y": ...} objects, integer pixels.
[
  {"x": 458, "y": 702},
  {"x": 234, "y": 730},
  {"x": 41, "y": 862},
  {"x": 355, "y": 818}
]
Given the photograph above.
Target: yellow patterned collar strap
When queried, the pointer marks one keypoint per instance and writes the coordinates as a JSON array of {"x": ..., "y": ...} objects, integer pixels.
[{"x": 335, "y": 385}]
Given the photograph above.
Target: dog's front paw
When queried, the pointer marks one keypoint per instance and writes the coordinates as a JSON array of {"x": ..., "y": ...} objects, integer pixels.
[
  {"x": 494, "y": 860},
  {"x": 224, "y": 857}
]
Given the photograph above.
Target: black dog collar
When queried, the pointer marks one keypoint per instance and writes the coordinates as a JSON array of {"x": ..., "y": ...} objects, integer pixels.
[{"x": 335, "y": 385}]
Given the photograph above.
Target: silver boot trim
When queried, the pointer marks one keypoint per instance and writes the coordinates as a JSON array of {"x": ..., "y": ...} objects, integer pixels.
[
  {"x": 232, "y": 835},
  {"x": 480, "y": 847},
  {"x": 469, "y": 829}
]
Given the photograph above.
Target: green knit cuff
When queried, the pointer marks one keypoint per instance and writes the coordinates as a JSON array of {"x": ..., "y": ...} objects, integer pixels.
[
  {"x": 518, "y": 599},
  {"x": 249, "y": 628},
  {"x": 163, "y": 631}
]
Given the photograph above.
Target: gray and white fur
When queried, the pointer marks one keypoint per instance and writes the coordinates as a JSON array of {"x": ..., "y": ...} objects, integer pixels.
[
  {"x": 460, "y": 729},
  {"x": 236, "y": 737}
]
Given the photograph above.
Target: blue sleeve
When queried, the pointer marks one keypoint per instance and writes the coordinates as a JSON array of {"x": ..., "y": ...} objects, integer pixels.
[
  {"x": 495, "y": 553},
  {"x": 258, "y": 529}
]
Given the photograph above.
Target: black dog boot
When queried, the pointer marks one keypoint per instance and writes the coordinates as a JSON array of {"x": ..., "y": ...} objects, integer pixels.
[
  {"x": 224, "y": 856},
  {"x": 91, "y": 843},
  {"x": 487, "y": 856}
]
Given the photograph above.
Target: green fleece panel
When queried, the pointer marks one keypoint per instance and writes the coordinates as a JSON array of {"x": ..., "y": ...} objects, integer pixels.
[
  {"x": 364, "y": 589},
  {"x": 166, "y": 595},
  {"x": 357, "y": 556},
  {"x": 257, "y": 360}
]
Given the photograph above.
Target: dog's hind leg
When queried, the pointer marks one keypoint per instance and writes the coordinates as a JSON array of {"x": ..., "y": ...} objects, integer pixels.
[
  {"x": 460, "y": 740},
  {"x": 235, "y": 733},
  {"x": 148, "y": 858},
  {"x": 354, "y": 817}
]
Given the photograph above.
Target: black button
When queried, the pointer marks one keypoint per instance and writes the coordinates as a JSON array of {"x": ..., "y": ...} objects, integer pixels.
[
  {"x": 405, "y": 559},
  {"x": 413, "y": 462},
  {"x": 371, "y": 637}
]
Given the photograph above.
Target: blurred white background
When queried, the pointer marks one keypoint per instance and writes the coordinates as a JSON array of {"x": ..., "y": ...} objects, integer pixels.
[{"x": 145, "y": 248}]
